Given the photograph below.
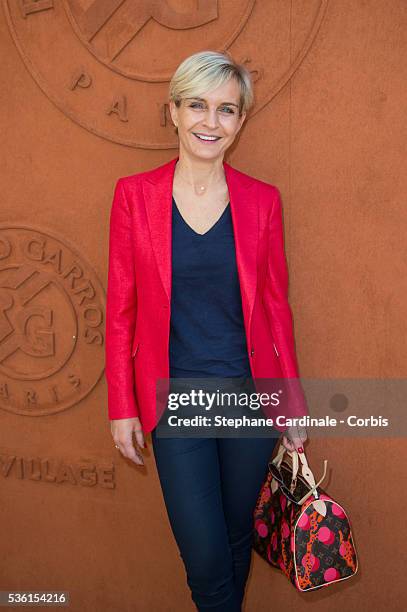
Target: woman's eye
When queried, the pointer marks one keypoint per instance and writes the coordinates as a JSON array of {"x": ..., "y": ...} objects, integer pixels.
[{"x": 199, "y": 105}]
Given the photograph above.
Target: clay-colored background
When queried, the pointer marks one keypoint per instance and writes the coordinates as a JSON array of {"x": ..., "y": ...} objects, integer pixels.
[{"x": 331, "y": 136}]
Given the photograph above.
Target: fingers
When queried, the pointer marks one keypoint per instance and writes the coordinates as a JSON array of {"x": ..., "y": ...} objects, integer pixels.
[
  {"x": 288, "y": 444},
  {"x": 128, "y": 450},
  {"x": 132, "y": 453},
  {"x": 294, "y": 439},
  {"x": 138, "y": 433},
  {"x": 123, "y": 439}
]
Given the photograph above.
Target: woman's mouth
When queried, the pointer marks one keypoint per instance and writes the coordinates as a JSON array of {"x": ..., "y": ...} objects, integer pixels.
[{"x": 207, "y": 139}]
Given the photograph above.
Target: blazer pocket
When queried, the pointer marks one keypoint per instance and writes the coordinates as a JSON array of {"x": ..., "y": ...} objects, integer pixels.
[
  {"x": 269, "y": 328},
  {"x": 135, "y": 347}
]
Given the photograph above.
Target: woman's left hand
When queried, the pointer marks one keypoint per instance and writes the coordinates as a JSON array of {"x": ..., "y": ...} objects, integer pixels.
[{"x": 294, "y": 438}]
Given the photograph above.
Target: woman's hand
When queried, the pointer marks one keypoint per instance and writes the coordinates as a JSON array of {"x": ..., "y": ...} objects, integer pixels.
[
  {"x": 122, "y": 432},
  {"x": 294, "y": 438}
]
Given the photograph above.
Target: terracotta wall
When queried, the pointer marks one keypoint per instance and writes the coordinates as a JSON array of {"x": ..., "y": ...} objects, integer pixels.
[{"x": 83, "y": 103}]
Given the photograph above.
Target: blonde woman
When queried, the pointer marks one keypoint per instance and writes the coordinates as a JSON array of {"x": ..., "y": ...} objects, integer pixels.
[{"x": 197, "y": 288}]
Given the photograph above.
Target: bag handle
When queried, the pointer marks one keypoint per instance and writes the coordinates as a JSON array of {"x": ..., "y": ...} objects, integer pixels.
[{"x": 305, "y": 470}]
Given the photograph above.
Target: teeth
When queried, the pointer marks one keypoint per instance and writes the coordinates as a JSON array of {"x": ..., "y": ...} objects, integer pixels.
[{"x": 206, "y": 137}]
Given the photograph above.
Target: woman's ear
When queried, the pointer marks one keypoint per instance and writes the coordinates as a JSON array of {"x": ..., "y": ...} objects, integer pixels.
[
  {"x": 241, "y": 120},
  {"x": 173, "y": 112}
]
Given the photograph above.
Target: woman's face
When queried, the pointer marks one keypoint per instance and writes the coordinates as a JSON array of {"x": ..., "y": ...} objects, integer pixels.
[{"x": 216, "y": 113}]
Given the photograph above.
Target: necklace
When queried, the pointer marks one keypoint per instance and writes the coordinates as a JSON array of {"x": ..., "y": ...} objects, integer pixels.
[{"x": 199, "y": 189}]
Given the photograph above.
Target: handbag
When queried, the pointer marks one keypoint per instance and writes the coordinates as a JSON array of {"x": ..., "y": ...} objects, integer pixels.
[{"x": 299, "y": 528}]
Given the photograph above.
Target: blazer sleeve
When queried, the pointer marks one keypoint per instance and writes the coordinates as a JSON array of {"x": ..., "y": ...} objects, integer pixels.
[
  {"x": 121, "y": 310},
  {"x": 279, "y": 311}
]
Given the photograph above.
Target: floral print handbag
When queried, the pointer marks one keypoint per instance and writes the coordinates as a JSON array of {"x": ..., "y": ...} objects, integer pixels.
[{"x": 299, "y": 528}]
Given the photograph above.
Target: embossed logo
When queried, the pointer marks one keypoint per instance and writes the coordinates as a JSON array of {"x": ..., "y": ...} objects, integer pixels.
[
  {"x": 51, "y": 323},
  {"x": 107, "y": 64}
]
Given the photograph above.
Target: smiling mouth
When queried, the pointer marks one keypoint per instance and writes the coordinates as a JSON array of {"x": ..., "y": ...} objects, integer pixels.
[{"x": 204, "y": 138}]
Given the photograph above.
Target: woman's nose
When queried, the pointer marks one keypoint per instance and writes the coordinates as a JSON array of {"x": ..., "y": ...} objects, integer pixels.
[{"x": 211, "y": 118}]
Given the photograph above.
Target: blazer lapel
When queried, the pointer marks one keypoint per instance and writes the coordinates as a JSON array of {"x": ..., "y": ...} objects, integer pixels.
[{"x": 157, "y": 191}]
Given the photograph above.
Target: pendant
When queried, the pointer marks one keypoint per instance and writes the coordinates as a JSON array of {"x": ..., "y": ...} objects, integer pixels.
[{"x": 200, "y": 190}]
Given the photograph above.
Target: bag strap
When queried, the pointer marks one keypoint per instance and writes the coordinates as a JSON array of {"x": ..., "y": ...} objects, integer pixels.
[
  {"x": 294, "y": 456},
  {"x": 314, "y": 488},
  {"x": 280, "y": 454},
  {"x": 305, "y": 470}
]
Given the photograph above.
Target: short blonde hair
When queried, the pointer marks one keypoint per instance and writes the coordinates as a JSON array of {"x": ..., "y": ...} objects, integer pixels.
[{"x": 207, "y": 70}]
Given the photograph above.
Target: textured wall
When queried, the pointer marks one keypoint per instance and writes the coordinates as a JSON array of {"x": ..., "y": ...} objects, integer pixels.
[{"x": 83, "y": 102}]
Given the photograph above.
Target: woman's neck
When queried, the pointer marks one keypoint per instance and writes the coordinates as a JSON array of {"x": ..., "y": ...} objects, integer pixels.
[{"x": 200, "y": 177}]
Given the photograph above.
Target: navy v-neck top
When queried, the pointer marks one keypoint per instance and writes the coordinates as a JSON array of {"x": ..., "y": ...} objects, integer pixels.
[{"x": 207, "y": 335}]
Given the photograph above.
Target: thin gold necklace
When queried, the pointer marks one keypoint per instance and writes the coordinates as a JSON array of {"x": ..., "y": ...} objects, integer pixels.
[{"x": 199, "y": 189}]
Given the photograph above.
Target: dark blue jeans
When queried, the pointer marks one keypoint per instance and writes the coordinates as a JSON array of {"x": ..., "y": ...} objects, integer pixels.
[{"x": 210, "y": 488}]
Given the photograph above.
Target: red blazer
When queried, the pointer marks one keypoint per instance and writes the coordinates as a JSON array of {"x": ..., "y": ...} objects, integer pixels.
[{"x": 139, "y": 288}]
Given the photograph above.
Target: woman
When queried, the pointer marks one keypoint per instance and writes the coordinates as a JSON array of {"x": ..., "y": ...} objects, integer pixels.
[{"x": 197, "y": 287}]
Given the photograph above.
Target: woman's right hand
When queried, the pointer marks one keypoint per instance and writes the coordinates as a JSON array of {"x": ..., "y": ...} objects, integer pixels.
[
  {"x": 122, "y": 432},
  {"x": 294, "y": 438}
]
